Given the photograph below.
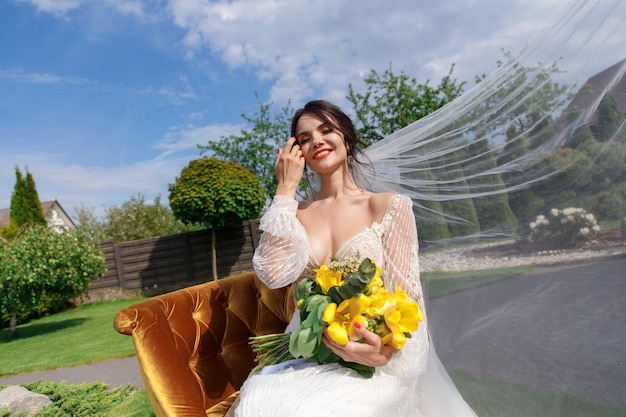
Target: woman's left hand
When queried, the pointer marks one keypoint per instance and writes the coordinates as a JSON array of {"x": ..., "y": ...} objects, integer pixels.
[{"x": 370, "y": 351}]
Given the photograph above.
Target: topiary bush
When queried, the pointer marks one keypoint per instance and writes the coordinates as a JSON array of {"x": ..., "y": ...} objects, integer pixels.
[{"x": 564, "y": 228}]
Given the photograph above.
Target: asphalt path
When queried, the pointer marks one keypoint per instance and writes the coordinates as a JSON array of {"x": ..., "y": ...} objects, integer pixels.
[
  {"x": 557, "y": 329},
  {"x": 114, "y": 373}
]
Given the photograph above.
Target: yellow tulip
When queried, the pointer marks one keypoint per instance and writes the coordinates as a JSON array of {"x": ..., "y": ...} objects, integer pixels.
[
  {"x": 402, "y": 315},
  {"x": 341, "y": 318},
  {"x": 327, "y": 278},
  {"x": 378, "y": 301},
  {"x": 376, "y": 284},
  {"x": 329, "y": 313},
  {"x": 338, "y": 333}
]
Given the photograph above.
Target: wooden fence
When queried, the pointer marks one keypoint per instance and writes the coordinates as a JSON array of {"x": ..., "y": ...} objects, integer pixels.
[{"x": 175, "y": 261}]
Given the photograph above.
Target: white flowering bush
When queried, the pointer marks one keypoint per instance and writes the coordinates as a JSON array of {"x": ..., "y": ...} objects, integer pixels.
[{"x": 567, "y": 227}]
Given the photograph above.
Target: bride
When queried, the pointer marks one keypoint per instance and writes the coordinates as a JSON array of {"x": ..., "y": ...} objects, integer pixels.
[{"x": 339, "y": 221}]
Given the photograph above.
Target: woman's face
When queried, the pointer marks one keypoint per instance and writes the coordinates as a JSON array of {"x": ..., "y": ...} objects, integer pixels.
[{"x": 322, "y": 146}]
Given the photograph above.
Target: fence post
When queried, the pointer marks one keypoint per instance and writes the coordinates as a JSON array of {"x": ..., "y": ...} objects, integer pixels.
[
  {"x": 187, "y": 253},
  {"x": 119, "y": 267},
  {"x": 254, "y": 233}
]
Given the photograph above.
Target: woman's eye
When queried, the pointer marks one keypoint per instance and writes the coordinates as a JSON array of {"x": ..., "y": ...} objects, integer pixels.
[{"x": 303, "y": 140}]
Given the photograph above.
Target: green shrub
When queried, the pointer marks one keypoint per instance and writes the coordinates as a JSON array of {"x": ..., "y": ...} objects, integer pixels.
[
  {"x": 82, "y": 400},
  {"x": 41, "y": 269},
  {"x": 561, "y": 228},
  {"x": 608, "y": 206}
]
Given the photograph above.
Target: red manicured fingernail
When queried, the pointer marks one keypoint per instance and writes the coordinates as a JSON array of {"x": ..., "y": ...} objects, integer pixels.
[{"x": 357, "y": 324}]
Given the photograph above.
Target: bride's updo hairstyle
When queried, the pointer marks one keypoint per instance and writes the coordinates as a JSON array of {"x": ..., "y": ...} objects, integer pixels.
[{"x": 333, "y": 116}]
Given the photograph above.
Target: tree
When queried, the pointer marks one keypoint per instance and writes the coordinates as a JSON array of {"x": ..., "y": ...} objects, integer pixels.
[
  {"x": 216, "y": 194},
  {"x": 609, "y": 120},
  {"x": 532, "y": 115},
  {"x": 493, "y": 211},
  {"x": 255, "y": 149},
  {"x": 133, "y": 220},
  {"x": 511, "y": 129},
  {"x": 41, "y": 263},
  {"x": 392, "y": 101},
  {"x": 25, "y": 205}
]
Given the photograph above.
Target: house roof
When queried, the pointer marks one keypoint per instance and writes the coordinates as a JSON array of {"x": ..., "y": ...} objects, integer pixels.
[
  {"x": 5, "y": 217},
  {"x": 5, "y": 214},
  {"x": 602, "y": 80}
]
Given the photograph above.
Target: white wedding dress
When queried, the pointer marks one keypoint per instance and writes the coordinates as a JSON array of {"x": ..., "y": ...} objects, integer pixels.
[{"x": 413, "y": 383}]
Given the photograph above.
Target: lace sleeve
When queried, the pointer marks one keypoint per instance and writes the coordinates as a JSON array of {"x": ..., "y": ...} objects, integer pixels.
[
  {"x": 400, "y": 246},
  {"x": 282, "y": 253}
]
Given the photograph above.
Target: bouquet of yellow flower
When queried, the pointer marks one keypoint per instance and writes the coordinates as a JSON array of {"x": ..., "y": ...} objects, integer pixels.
[{"x": 341, "y": 294}]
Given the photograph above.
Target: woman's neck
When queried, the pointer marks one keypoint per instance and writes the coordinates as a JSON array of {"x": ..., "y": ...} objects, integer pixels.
[{"x": 335, "y": 185}]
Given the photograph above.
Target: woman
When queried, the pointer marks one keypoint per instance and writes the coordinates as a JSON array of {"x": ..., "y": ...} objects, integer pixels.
[{"x": 341, "y": 221}]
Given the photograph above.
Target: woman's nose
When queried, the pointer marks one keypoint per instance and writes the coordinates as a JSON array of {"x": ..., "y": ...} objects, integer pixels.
[{"x": 317, "y": 139}]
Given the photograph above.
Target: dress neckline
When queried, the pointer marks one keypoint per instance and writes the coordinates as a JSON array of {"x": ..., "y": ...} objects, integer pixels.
[{"x": 345, "y": 244}]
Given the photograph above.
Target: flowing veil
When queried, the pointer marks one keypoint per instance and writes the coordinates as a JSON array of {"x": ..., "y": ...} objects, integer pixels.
[
  {"x": 544, "y": 120},
  {"x": 499, "y": 137}
]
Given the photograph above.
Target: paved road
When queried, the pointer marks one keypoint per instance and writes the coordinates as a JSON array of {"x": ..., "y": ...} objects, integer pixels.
[
  {"x": 114, "y": 373},
  {"x": 561, "y": 329}
]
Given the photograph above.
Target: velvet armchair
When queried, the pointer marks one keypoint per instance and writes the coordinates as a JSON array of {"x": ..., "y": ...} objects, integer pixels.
[{"x": 192, "y": 344}]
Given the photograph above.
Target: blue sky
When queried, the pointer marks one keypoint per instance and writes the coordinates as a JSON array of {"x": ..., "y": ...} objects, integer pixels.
[{"x": 105, "y": 99}]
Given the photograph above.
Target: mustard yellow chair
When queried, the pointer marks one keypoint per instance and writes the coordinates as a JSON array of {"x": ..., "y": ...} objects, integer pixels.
[{"x": 192, "y": 344}]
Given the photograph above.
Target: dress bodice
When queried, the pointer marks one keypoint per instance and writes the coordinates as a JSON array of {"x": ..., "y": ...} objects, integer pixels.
[{"x": 366, "y": 244}]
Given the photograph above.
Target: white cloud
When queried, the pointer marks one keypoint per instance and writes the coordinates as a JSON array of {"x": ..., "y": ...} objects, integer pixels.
[
  {"x": 179, "y": 92},
  {"x": 41, "y": 77},
  {"x": 60, "y": 8},
  {"x": 187, "y": 137},
  {"x": 56, "y": 7},
  {"x": 318, "y": 48}
]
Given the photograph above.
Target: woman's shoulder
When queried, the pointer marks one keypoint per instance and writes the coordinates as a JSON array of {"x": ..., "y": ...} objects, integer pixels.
[
  {"x": 383, "y": 203},
  {"x": 386, "y": 200}
]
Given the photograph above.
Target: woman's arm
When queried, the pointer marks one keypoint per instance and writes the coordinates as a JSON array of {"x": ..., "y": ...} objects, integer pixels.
[
  {"x": 401, "y": 247},
  {"x": 282, "y": 253},
  {"x": 283, "y": 248}
]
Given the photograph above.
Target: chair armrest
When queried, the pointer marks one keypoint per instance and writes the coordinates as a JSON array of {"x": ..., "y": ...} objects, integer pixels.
[{"x": 192, "y": 344}]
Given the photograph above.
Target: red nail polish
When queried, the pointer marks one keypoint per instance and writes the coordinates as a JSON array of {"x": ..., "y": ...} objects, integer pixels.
[{"x": 357, "y": 324}]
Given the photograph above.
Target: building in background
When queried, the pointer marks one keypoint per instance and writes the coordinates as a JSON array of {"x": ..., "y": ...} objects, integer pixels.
[{"x": 56, "y": 216}]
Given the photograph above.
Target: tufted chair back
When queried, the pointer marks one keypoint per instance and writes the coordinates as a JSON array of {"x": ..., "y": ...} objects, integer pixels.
[{"x": 192, "y": 344}]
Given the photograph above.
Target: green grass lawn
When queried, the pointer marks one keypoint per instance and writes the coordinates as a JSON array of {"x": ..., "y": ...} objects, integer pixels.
[
  {"x": 440, "y": 283},
  {"x": 78, "y": 336}
]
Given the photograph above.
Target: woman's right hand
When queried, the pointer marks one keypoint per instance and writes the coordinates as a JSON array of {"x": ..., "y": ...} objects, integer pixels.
[{"x": 289, "y": 168}]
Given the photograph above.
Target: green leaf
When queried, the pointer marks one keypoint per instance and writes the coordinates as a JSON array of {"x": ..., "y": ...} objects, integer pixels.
[{"x": 303, "y": 288}]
